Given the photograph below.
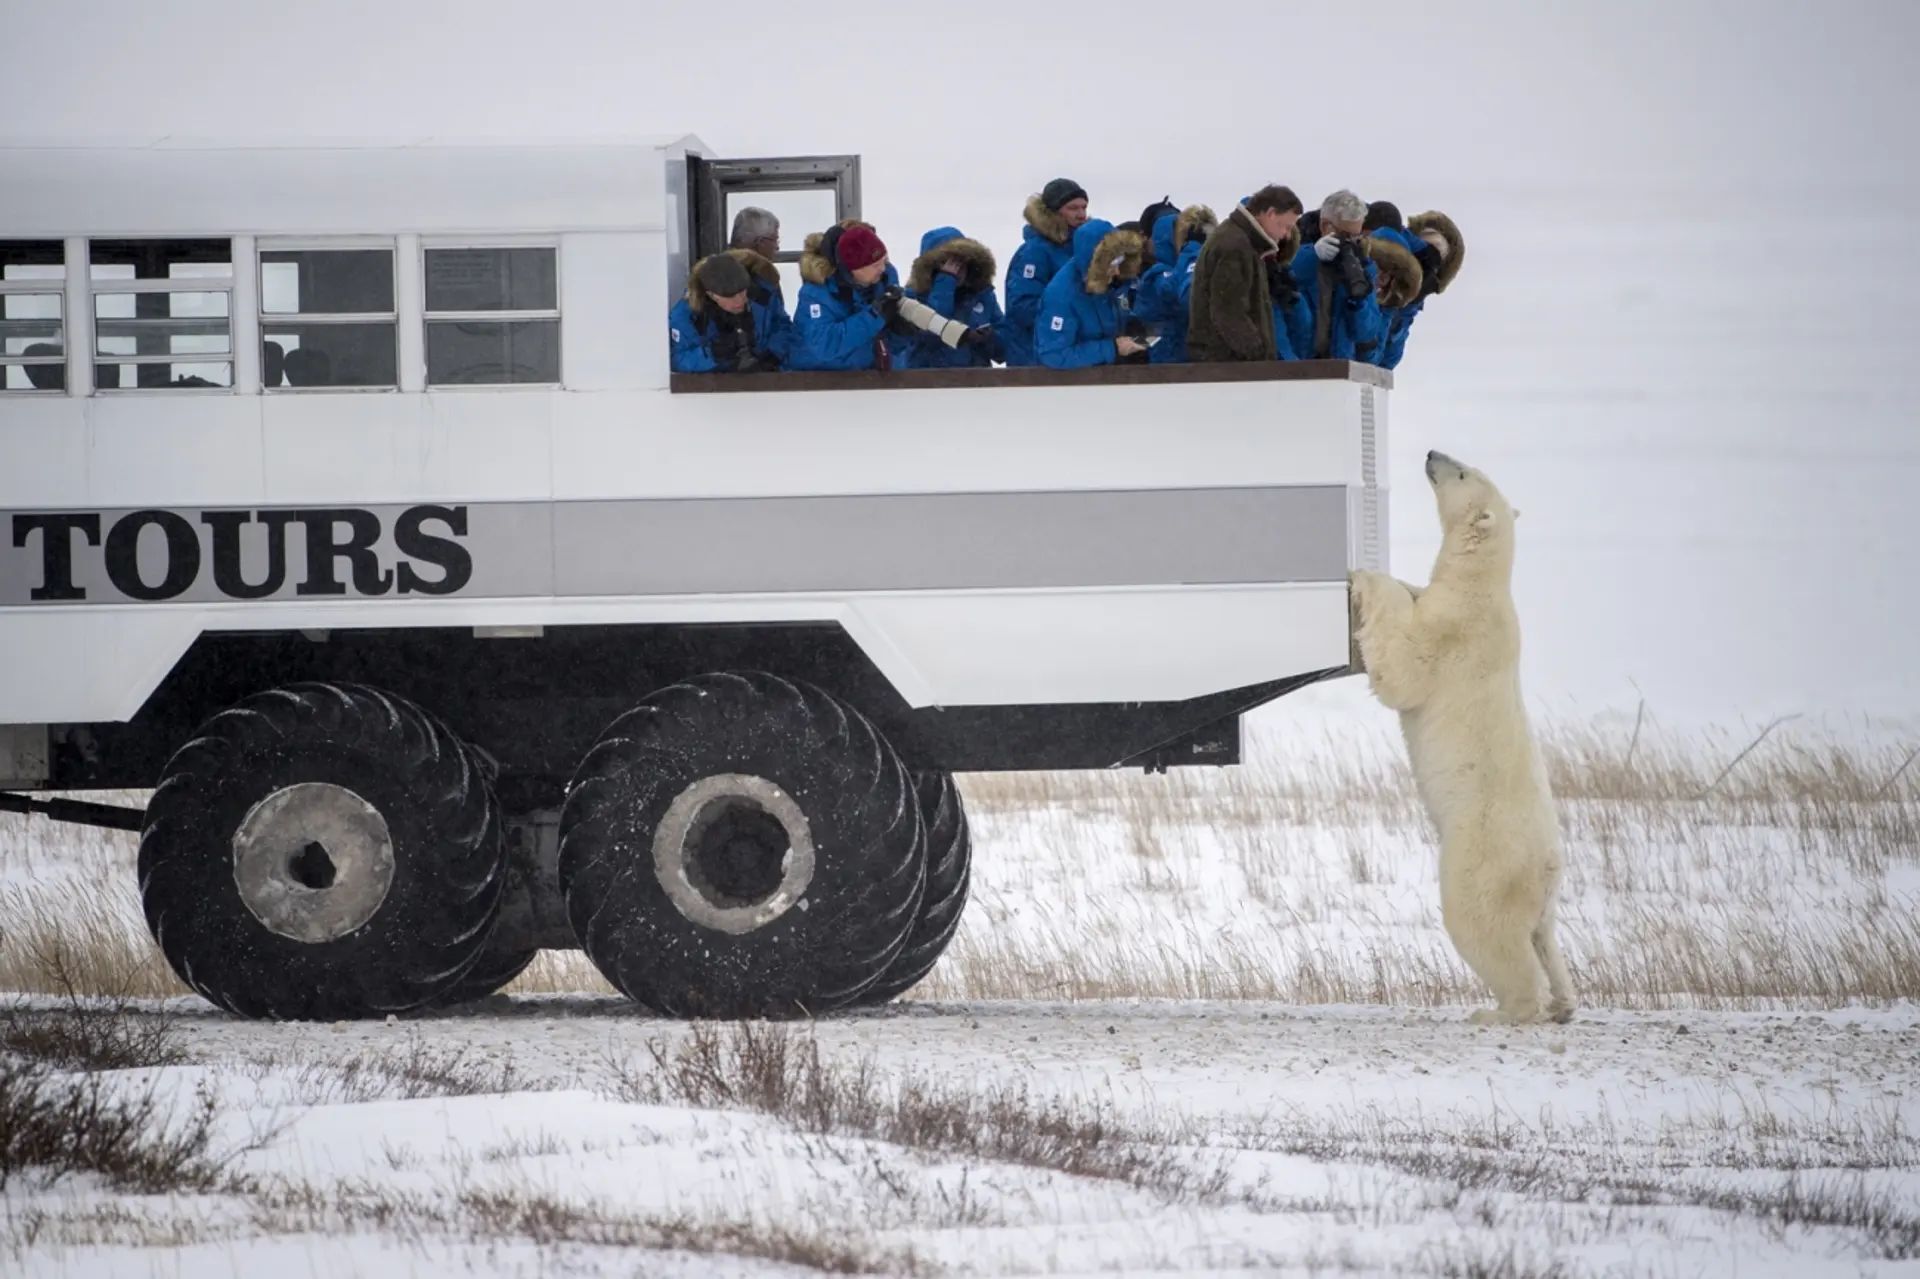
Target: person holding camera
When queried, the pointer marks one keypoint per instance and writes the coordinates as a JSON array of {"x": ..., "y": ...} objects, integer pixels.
[
  {"x": 954, "y": 277},
  {"x": 1081, "y": 322},
  {"x": 849, "y": 298},
  {"x": 1230, "y": 312},
  {"x": 1045, "y": 250},
  {"x": 732, "y": 318},
  {"x": 1336, "y": 278}
]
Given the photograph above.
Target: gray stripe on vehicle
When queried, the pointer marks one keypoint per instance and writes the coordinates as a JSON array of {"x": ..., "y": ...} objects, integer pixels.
[{"x": 753, "y": 545}]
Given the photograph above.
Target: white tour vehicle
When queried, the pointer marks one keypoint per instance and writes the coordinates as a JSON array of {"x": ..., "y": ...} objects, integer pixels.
[{"x": 350, "y": 505}]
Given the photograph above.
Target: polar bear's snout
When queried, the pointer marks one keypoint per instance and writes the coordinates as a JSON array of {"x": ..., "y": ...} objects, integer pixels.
[{"x": 1438, "y": 462}]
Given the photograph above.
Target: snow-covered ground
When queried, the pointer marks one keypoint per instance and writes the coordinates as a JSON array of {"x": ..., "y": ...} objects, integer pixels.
[{"x": 1199, "y": 1022}]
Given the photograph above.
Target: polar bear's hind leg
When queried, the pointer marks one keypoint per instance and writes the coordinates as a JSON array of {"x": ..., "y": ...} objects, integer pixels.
[
  {"x": 1546, "y": 945},
  {"x": 1500, "y": 950}
]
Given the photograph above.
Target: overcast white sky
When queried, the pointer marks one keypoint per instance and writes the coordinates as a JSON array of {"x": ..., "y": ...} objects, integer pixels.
[{"x": 1603, "y": 93}]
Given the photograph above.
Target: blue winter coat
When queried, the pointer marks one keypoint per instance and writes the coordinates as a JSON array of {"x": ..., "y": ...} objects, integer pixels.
[
  {"x": 1080, "y": 313},
  {"x": 1166, "y": 288},
  {"x": 1397, "y": 320},
  {"x": 970, "y": 300},
  {"x": 836, "y": 324},
  {"x": 1046, "y": 250},
  {"x": 1355, "y": 326},
  {"x": 1292, "y": 328},
  {"x": 691, "y": 328}
]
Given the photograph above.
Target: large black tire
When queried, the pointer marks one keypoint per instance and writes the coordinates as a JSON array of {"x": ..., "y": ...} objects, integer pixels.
[
  {"x": 496, "y": 967},
  {"x": 321, "y": 852},
  {"x": 738, "y": 845},
  {"x": 949, "y": 871}
]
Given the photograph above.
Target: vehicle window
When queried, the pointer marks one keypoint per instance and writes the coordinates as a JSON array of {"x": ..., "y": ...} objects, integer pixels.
[
  {"x": 33, "y": 348},
  {"x": 162, "y": 313},
  {"x": 327, "y": 318},
  {"x": 493, "y": 316}
]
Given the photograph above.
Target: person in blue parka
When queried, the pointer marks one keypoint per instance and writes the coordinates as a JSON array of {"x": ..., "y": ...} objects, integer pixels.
[
  {"x": 1337, "y": 281},
  {"x": 1080, "y": 316},
  {"x": 954, "y": 276},
  {"x": 1045, "y": 250},
  {"x": 1439, "y": 249},
  {"x": 1166, "y": 288},
  {"x": 1395, "y": 254},
  {"x": 733, "y": 317},
  {"x": 845, "y": 315}
]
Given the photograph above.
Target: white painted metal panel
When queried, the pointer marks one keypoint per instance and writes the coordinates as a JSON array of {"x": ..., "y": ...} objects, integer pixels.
[
  {"x": 322, "y": 190},
  {"x": 964, "y": 648}
]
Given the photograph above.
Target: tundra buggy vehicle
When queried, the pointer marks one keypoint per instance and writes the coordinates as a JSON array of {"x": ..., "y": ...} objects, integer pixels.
[{"x": 350, "y": 506}]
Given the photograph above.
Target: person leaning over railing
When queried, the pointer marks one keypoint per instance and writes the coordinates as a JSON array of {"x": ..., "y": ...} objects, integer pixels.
[
  {"x": 732, "y": 319},
  {"x": 1337, "y": 283},
  {"x": 1080, "y": 318},
  {"x": 1438, "y": 250},
  {"x": 1231, "y": 313}
]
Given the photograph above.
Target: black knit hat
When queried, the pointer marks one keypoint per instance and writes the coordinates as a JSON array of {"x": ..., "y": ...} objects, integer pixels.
[
  {"x": 1151, "y": 215},
  {"x": 1383, "y": 213},
  {"x": 1059, "y": 191},
  {"x": 722, "y": 276}
]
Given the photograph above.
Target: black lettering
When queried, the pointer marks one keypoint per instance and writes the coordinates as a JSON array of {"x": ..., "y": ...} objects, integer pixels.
[
  {"x": 123, "y": 555},
  {"x": 227, "y": 574},
  {"x": 411, "y": 540},
  {"x": 56, "y": 551},
  {"x": 363, "y": 530}
]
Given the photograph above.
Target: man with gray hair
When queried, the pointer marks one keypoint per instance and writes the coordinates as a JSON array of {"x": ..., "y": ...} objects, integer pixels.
[
  {"x": 1336, "y": 280},
  {"x": 756, "y": 229}
]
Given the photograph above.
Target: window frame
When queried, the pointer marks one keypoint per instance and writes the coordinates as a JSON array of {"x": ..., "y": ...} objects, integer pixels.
[
  {"x": 324, "y": 244},
  {"x": 13, "y": 288},
  {"x": 429, "y": 317},
  {"x": 183, "y": 284}
]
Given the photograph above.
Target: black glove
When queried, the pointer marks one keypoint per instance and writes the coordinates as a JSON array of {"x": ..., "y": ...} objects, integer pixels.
[
  {"x": 756, "y": 362},
  {"x": 1281, "y": 286},
  {"x": 1353, "y": 269},
  {"x": 1429, "y": 258},
  {"x": 980, "y": 337},
  {"x": 888, "y": 303}
]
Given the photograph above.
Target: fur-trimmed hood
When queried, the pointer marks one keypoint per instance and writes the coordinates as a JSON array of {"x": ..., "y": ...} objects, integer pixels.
[
  {"x": 1045, "y": 222},
  {"x": 941, "y": 243},
  {"x": 815, "y": 266},
  {"x": 1399, "y": 270},
  {"x": 758, "y": 268},
  {"x": 1102, "y": 254},
  {"x": 1195, "y": 217},
  {"x": 1456, "y": 243}
]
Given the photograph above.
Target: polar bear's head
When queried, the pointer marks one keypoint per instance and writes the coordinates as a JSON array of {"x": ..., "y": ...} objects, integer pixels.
[{"x": 1474, "y": 514}]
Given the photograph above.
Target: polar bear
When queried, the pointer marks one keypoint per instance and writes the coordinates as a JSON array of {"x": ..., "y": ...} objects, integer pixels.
[{"x": 1447, "y": 658}]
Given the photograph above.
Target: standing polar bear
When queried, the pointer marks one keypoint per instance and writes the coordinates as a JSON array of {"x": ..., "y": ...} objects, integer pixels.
[{"x": 1447, "y": 658}]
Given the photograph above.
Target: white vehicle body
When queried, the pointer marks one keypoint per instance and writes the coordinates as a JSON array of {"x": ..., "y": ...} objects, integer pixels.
[{"x": 1055, "y": 540}]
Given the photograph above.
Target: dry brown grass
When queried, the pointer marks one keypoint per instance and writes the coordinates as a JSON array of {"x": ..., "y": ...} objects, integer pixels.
[
  {"x": 1705, "y": 869},
  {"x": 772, "y": 1070}
]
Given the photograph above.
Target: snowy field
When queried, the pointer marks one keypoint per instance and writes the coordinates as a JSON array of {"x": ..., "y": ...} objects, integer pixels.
[{"x": 1198, "y": 1022}]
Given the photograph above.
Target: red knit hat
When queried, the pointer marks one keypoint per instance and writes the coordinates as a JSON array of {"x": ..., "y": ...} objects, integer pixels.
[{"x": 859, "y": 247}]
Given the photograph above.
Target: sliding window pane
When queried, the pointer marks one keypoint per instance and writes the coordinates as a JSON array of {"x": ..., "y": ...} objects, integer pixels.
[
  {"x": 461, "y": 353},
  {"x": 294, "y": 354}
]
